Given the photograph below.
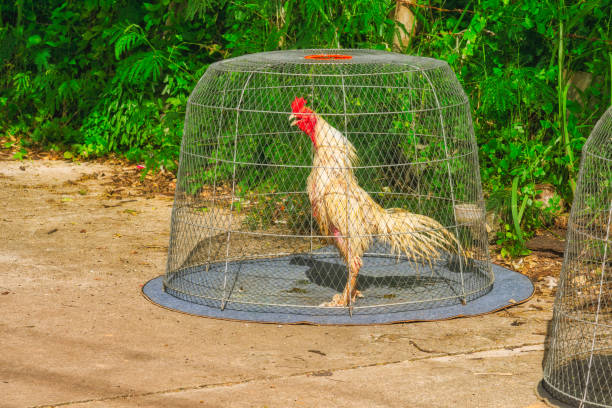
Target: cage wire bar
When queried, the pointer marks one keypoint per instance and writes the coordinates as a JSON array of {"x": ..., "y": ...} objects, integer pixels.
[
  {"x": 578, "y": 360},
  {"x": 243, "y": 234}
]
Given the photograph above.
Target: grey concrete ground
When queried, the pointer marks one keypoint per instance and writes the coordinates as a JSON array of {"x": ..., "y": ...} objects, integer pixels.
[{"x": 76, "y": 332}]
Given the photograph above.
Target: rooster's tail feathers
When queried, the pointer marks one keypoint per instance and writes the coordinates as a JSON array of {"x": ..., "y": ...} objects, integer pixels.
[{"x": 417, "y": 236}]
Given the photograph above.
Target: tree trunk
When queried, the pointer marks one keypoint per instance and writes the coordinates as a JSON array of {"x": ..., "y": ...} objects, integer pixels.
[{"x": 406, "y": 24}]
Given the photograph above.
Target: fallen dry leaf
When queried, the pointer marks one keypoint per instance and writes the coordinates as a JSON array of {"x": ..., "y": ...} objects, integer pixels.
[{"x": 549, "y": 281}]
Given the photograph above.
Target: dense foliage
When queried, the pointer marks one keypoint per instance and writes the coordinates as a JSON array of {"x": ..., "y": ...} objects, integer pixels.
[{"x": 97, "y": 76}]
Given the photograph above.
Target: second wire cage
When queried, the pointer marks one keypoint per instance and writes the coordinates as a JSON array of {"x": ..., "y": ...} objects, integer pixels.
[
  {"x": 578, "y": 360},
  {"x": 369, "y": 201}
]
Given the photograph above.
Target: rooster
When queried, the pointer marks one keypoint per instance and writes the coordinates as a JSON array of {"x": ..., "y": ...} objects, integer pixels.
[{"x": 347, "y": 214}]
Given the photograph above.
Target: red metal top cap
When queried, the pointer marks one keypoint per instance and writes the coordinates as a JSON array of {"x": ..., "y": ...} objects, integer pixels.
[{"x": 328, "y": 57}]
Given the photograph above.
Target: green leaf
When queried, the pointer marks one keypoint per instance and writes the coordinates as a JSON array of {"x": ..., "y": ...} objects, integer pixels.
[
  {"x": 514, "y": 207},
  {"x": 20, "y": 154},
  {"x": 41, "y": 59},
  {"x": 34, "y": 40}
]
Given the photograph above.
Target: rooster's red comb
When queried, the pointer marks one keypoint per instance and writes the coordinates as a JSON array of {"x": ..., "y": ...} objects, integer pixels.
[{"x": 298, "y": 104}]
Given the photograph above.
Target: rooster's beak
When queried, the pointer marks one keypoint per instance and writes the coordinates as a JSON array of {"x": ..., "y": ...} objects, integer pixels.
[{"x": 294, "y": 119}]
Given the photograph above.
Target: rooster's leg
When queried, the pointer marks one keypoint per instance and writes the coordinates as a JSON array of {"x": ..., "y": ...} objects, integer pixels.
[
  {"x": 354, "y": 263},
  {"x": 350, "y": 290},
  {"x": 351, "y": 284}
]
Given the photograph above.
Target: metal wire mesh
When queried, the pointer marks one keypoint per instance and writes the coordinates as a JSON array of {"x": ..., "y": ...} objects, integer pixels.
[
  {"x": 578, "y": 362},
  {"x": 243, "y": 233}
]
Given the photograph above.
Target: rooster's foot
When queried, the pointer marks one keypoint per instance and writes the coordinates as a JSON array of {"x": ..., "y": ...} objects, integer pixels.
[{"x": 339, "y": 301}]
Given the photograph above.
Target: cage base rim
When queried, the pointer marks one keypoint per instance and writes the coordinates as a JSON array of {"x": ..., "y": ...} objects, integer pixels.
[
  {"x": 556, "y": 397},
  {"x": 511, "y": 288}
]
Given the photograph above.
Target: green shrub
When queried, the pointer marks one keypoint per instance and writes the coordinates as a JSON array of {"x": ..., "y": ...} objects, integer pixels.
[{"x": 100, "y": 76}]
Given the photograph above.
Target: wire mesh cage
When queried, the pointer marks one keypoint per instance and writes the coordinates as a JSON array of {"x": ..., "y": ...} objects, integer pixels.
[
  {"x": 578, "y": 362},
  {"x": 325, "y": 182}
]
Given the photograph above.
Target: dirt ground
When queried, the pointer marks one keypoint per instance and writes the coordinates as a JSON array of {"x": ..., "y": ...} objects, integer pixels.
[{"x": 77, "y": 242}]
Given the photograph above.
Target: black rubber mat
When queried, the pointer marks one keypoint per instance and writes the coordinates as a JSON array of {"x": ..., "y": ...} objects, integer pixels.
[{"x": 509, "y": 288}]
